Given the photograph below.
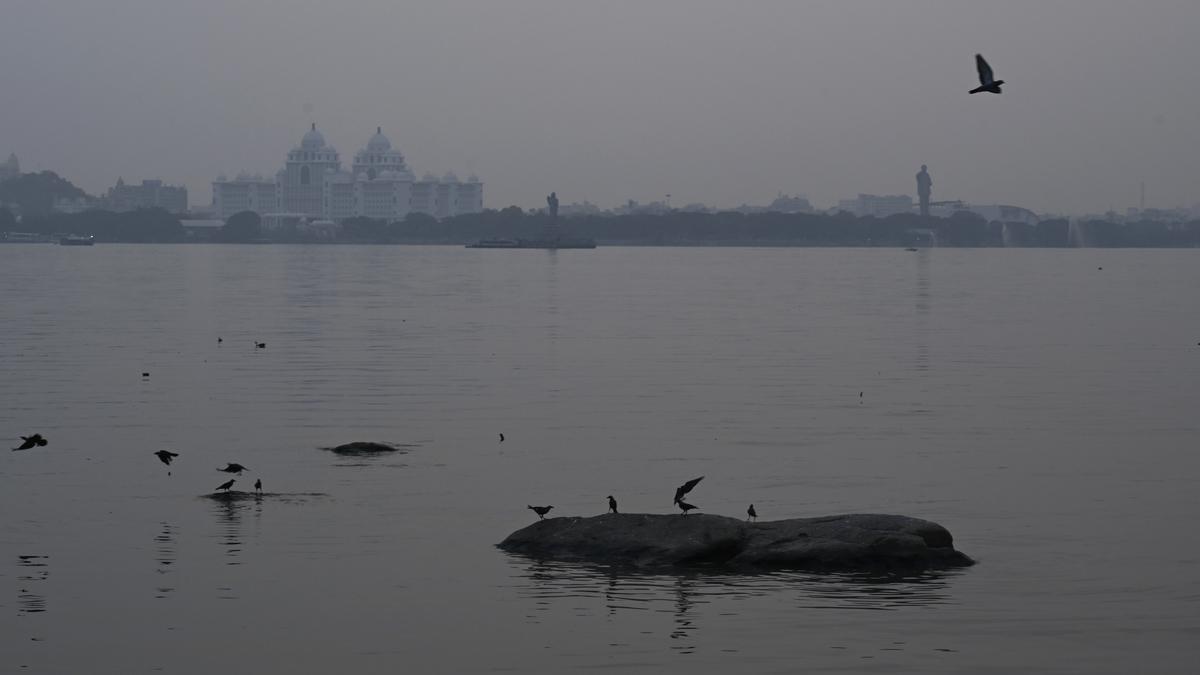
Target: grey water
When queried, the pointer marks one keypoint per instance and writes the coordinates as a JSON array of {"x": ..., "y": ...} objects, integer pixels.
[{"x": 1041, "y": 408}]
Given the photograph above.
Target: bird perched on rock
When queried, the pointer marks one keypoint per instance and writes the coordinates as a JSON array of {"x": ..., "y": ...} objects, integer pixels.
[
  {"x": 226, "y": 485},
  {"x": 751, "y": 514},
  {"x": 258, "y": 486},
  {"x": 686, "y": 488},
  {"x": 234, "y": 467},
  {"x": 612, "y": 504},
  {"x": 28, "y": 442},
  {"x": 541, "y": 511},
  {"x": 987, "y": 81},
  {"x": 685, "y": 506}
]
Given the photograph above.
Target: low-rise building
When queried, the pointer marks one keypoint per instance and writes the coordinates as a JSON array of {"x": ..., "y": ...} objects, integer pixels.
[{"x": 149, "y": 195}]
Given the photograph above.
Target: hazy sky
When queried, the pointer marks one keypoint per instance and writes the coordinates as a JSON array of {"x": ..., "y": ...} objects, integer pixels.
[{"x": 717, "y": 102}]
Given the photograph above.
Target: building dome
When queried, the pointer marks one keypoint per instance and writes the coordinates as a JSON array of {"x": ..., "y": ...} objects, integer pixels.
[
  {"x": 313, "y": 140},
  {"x": 379, "y": 142}
]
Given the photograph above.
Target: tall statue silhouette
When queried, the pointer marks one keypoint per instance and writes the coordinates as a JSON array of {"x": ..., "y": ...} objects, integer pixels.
[
  {"x": 924, "y": 189},
  {"x": 552, "y": 202}
]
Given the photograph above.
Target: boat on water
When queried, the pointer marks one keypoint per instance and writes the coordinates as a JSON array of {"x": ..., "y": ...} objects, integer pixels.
[
  {"x": 77, "y": 240},
  {"x": 534, "y": 243}
]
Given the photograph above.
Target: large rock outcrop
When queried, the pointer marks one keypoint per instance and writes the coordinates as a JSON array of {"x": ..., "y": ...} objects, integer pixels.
[{"x": 845, "y": 542}]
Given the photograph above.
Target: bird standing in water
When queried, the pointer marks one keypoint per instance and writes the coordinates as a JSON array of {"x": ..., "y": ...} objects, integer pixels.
[
  {"x": 541, "y": 511},
  {"x": 258, "y": 486},
  {"x": 686, "y": 506},
  {"x": 28, "y": 442},
  {"x": 226, "y": 485},
  {"x": 751, "y": 514},
  {"x": 612, "y": 504}
]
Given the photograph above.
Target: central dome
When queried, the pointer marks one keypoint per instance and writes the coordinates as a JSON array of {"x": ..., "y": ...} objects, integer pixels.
[
  {"x": 313, "y": 140},
  {"x": 379, "y": 142}
]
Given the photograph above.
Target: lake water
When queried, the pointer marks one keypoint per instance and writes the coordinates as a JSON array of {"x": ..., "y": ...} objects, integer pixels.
[{"x": 1041, "y": 408}]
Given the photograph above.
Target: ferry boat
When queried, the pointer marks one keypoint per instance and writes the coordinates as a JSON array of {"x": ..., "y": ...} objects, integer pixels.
[{"x": 77, "y": 240}]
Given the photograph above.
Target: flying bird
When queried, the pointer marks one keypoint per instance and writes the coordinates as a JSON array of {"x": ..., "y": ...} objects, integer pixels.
[
  {"x": 541, "y": 511},
  {"x": 501, "y": 438},
  {"x": 258, "y": 486},
  {"x": 987, "y": 82},
  {"x": 751, "y": 513},
  {"x": 685, "y": 506},
  {"x": 28, "y": 442},
  {"x": 226, "y": 485},
  {"x": 260, "y": 345},
  {"x": 165, "y": 456},
  {"x": 612, "y": 504},
  {"x": 686, "y": 488},
  {"x": 234, "y": 467}
]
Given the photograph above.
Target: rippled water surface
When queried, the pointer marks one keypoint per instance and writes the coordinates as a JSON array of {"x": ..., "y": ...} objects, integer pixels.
[{"x": 1042, "y": 408}]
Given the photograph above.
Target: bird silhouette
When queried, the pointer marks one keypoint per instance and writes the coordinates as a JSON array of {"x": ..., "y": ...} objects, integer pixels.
[
  {"x": 220, "y": 340},
  {"x": 612, "y": 504},
  {"x": 501, "y": 438},
  {"x": 165, "y": 456},
  {"x": 685, "y": 506},
  {"x": 226, "y": 485},
  {"x": 987, "y": 81},
  {"x": 686, "y": 488},
  {"x": 28, "y": 442},
  {"x": 751, "y": 514},
  {"x": 260, "y": 345},
  {"x": 541, "y": 511},
  {"x": 234, "y": 467},
  {"x": 258, "y": 486}
]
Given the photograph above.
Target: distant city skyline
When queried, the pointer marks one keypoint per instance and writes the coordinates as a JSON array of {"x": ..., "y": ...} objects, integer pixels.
[{"x": 607, "y": 102}]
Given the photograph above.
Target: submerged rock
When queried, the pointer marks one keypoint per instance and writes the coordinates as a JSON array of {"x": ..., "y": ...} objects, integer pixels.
[
  {"x": 242, "y": 496},
  {"x": 830, "y": 543},
  {"x": 363, "y": 448}
]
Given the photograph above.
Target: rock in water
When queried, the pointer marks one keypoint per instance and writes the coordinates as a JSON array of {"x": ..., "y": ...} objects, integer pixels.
[
  {"x": 831, "y": 543},
  {"x": 363, "y": 448}
]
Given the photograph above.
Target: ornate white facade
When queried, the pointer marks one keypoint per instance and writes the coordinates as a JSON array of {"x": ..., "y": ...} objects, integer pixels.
[{"x": 378, "y": 185}]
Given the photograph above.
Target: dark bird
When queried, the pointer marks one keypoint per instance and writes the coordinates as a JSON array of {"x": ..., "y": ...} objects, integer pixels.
[
  {"x": 987, "y": 82},
  {"x": 226, "y": 485},
  {"x": 540, "y": 510},
  {"x": 260, "y": 345},
  {"x": 234, "y": 467},
  {"x": 165, "y": 456},
  {"x": 145, "y": 374},
  {"x": 685, "y": 506},
  {"x": 258, "y": 486},
  {"x": 219, "y": 340},
  {"x": 612, "y": 504},
  {"x": 501, "y": 438},
  {"x": 686, "y": 488},
  {"x": 28, "y": 442},
  {"x": 751, "y": 513}
]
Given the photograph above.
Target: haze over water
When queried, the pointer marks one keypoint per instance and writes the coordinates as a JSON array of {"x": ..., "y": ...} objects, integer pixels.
[{"x": 1039, "y": 407}]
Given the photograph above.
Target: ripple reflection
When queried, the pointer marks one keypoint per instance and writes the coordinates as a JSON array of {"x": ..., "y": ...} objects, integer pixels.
[
  {"x": 165, "y": 554},
  {"x": 33, "y": 571}
]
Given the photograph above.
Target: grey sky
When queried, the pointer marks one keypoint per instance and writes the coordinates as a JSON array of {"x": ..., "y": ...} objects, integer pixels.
[{"x": 716, "y": 102}]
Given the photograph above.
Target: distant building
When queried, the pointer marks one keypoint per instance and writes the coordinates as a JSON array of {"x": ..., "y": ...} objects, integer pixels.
[
  {"x": 788, "y": 204},
  {"x": 990, "y": 212},
  {"x": 245, "y": 192},
  {"x": 150, "y": 194},
  {"x": 10, "y": 168},
  {"x": 876, "y": 205},
  {"x": 77, "y": 204},
  {"x": 378, "y": 185}
]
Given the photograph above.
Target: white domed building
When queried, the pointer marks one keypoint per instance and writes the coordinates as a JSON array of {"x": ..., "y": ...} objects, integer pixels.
[{"x": 379, "y": 185}]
